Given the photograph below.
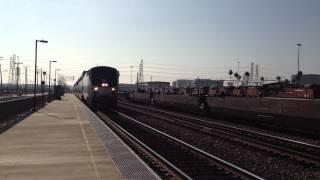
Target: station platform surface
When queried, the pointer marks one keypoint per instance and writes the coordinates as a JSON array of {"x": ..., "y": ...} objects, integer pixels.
[{"x": 65, "y": 140}]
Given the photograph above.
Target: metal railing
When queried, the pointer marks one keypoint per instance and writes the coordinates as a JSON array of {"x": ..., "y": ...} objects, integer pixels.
[{"x": 13, "y": 107}]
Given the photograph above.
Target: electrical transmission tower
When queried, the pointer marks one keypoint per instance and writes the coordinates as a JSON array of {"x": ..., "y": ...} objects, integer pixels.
[
  {"x": 12, "y": 70},
  {"x": 63, "y": 79},
  {"x": 18, "y": 74},
  {"x": 257, "y": 73},
  {"x": 251, "y": 72},
  {"x": 25, "y": 79},
  {"x": 140, "y": 75}
]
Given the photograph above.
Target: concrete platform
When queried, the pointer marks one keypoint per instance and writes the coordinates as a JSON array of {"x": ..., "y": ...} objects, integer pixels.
[{"x": 59, "y": 142}]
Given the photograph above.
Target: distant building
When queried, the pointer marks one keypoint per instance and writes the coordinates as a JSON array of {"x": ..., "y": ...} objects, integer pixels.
[
  {"x": 207, "y": 83},
  {"x": 182, "y": 83},
  {"x": 156, "y": 84},
  {"x": 307, "y": 79}
]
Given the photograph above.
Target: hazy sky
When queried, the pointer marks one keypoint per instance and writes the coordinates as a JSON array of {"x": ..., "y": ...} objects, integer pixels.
[{"x": 176, "y": 38}]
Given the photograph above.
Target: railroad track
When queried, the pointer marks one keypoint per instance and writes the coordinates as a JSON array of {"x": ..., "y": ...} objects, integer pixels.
[
  {"x": 171, "y": 157},
  {"x": 303, "y": 153}
]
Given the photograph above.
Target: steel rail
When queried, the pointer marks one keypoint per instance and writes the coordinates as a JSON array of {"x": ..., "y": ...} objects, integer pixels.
[
  {"x": 226, "y": 165},
  {"x": 245, "y": 134},
  {"x": 106, "y": 119}
]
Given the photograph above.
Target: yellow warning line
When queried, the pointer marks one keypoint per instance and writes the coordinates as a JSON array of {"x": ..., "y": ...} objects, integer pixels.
[{"x": 87, "y": 144}]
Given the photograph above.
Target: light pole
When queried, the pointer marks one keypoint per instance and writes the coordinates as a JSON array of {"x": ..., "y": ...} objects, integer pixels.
[
  {"x": 299, "y": 45},
  {"x": 55, "y": 79},
  {"x": 55, "y": 75},
  {"x": 50, "y": 76},
  {"x": 43, "y": 85},
  {"x": 35, "y": 73}
]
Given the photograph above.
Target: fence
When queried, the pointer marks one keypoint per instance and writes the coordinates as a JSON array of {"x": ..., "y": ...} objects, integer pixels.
[{"x": 13, "y": 107}]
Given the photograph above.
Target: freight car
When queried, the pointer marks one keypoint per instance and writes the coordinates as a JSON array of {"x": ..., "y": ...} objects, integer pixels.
[{"x": 98, "y": 87}]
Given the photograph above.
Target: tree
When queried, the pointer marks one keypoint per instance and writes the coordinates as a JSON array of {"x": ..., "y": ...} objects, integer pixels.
[
  {"x": 247, "y": 75},
  {"x": 236, "y": 75},
  {"x": 286, "y": 81},
  {"x": 230, "y": 72},
  {"x": 262, "y": 80},
  {"x": 278, "y": 78}
]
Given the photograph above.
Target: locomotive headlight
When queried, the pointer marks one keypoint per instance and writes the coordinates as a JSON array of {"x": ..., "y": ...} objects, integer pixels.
[
  {"x": 95, "y": 89},
  {"x": 113, "y": 89},
  {"x": 104, "y": 84}
]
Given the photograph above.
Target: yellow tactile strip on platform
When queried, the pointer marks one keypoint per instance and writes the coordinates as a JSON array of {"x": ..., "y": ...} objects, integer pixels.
[{"x": 129, "y": 165}]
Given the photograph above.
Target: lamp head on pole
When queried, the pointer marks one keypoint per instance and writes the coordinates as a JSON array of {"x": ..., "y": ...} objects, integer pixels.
[
  {"x": 43, "y": 41},
  {"x": 53, "y": 61},
  {"x": 299, "y": 44}
]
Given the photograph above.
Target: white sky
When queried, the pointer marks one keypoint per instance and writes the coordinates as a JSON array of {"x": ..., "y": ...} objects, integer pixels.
[{"x": 176, "y": 38}]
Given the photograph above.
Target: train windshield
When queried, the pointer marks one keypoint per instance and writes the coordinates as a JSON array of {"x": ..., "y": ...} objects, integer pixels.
[{"x": 101, "y": 76}]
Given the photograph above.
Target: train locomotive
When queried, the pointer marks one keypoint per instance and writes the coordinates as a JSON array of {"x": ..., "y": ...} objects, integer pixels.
[{"x": 98, "y": 87}]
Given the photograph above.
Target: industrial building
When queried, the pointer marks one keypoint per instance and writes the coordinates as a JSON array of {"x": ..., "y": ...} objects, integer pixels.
[
  {"x": 182, "y": 83},
  {"x": 207, "y": 83},
  {"x": 156, "y": 84},
  {"x": 307, "y": 79}
]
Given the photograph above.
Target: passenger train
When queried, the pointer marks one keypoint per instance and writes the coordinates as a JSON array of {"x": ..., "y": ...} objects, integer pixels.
[{"x": 98, "y": 87}]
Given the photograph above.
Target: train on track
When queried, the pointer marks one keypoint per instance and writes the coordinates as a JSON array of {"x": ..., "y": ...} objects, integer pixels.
[{"x": 98, "y": 87}]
